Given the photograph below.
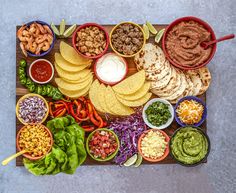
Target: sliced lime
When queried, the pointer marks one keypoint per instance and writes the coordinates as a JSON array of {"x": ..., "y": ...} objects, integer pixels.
[
  {"x": 146, "y": 31},
  {"x": 138, "y": 161},
  {"x": 69, "y": 31},
  {"x": 151, "y": 28},
  {"x": 62, "y": 26},
  {"x": 159, "y": 35},
  {"x": 55, "y": 30},
  {"x": 131, "y": 160}
]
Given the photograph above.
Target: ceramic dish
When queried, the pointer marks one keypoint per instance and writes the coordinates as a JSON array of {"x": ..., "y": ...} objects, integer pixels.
[
  {"x": 120, "y": 54},
  {"x": 167, "y": 139},
  {"x": 204, "y": 115},
  {"x": 51, "y": 46},
  {"x": 170, "y": 120},
  {"x": 27, "y": 155},
  {"x": 74, "y": 42},
  {"x": 110, "y": 156},
  {"x": 42, "y": 73},
  {"x": 205, "y": 25},
  {"x": 27, "y": 96},
  {"x": 199, "y": 162},
  {"x": 109, "y": 82}
]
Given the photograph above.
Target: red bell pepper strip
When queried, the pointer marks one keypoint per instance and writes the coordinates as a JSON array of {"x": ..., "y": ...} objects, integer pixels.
[
  {"x": 58, "y": 111},
  {"x": 78, "y": 106},
  {"x": 88, "y": 128},
  {"x": 90, "y": 110},
  {"x": 72, "y": 112},
  {"x": 50, "y": 108},
  {"x": 101, "y": 124},
  {"x": 63, "y": 102},
  {"x": 61, "y": 113}
]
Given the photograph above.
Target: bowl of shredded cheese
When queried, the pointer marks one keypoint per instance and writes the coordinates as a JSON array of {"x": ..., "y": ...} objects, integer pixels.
[
  {"x": 153, "y": 145},
  {"x": 190, "y": 110}
]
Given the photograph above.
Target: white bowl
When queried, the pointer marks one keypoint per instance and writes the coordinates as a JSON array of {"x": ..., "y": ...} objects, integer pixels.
[
  {"x": 171, "y": 109},
  {"x": 39, "y": 81}
]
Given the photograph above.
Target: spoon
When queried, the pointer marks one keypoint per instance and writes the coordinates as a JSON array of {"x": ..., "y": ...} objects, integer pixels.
[
  {"x": 7, "y": 160},
  {"x": 205, "y": 45}
]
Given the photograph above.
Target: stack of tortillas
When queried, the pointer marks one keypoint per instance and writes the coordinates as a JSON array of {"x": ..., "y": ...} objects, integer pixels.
[
  {"x": 118, "y": 100},
  {"x": 168, "y": 82}
]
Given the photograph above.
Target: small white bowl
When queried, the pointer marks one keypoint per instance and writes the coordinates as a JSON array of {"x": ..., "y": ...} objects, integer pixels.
[
  {"x": 170, "y": 120},
  {"x": 39, "y": 81}
]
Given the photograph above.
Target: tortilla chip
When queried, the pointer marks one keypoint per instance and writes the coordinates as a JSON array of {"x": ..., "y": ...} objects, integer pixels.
[
  {"x": 101, "y": 99},
  {"x": 131, "y": 84}
]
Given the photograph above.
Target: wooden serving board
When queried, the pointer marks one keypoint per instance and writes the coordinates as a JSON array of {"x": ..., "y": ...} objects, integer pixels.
[{"x": 20, "y": 91}]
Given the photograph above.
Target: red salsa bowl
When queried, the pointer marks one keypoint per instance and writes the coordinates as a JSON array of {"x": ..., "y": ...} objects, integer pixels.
[
  {"x": 41, "y": 71},
  {"x": 202, "y": 23}
]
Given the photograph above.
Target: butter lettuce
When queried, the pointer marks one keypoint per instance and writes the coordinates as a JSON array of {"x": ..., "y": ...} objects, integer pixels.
[{"x": 68, "y": 151}]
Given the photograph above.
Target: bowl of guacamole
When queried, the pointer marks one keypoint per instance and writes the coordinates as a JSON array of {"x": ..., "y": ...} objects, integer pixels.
[{"x": 189, "y": 146}]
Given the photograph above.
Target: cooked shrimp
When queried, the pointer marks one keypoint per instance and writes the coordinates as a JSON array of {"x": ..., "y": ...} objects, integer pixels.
[
  {"x": 32, "y": 47},
  {"x": 49, "y": 38},
  {"x": 48, "y": 29},
  {"x": 46, "y": 46},
  {"x": 40, "y": 39},
  {"x": 41, "y": 28},
  {"x": 20, "y": 33},
  {"x": 38, "y": 49},
  {"x": 22, "y": 46}
]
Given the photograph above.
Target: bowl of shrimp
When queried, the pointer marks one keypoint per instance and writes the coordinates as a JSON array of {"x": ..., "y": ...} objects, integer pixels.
[{"x": 36, "y": 38}]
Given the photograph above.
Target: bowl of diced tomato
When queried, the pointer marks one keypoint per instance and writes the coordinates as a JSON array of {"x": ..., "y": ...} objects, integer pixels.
[{"x": 102, "y": 144}]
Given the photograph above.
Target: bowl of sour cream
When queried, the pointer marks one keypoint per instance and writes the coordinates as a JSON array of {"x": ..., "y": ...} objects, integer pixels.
[{"x": 110, "y": 68}]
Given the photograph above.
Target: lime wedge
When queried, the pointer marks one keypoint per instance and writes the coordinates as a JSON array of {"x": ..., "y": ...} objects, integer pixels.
[
  {"x": 55, "y": 30},
  {"x": 159, "y": 35},
  {"x": 138, "y": 161},
  {"x": 131, "y": 160},
  {"x": 62, "y": 26},
  {"x": 69, "y": 31},
  {"x": 151, "y": 28},
  {"x": 146, "y": 31}
]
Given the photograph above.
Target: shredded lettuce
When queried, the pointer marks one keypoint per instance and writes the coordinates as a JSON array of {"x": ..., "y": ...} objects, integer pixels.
[{"x": 68, "y": 151}]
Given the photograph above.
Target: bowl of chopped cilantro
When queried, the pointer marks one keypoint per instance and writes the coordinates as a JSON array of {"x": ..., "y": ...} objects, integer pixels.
[{"x": 158, "y": 113}]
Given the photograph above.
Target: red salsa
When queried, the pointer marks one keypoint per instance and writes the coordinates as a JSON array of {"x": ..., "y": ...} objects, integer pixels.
[
  {"x": 102, "y": 144},
  {"x": 41, "y": 71}
]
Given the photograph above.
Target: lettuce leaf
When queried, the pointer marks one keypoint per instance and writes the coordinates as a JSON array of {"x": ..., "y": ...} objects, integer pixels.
[{"x": 68, "y": 150}]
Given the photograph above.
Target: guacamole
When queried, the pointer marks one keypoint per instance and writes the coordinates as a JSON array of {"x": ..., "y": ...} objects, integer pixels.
[{"x": 189, "y": 145}]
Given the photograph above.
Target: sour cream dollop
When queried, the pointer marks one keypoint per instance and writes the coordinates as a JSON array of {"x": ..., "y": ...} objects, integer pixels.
[{"x": 111, "y": 68}]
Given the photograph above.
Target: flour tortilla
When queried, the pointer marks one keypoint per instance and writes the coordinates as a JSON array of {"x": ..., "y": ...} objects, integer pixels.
[
  {"x": 205, "y": 77},
  {"x": 189, "y": 88},
  {"x": 197, "y": 83},
  {"x": 138, "y": 94},
  {"x": 150, "y": 58},
  {"x": 172, "y": 86},
  {"x": 93, "y": 95},
  {"x": 158, "y": 74},
  {"x": 180, "y": 90},
  {"x": 136, "y": 103},
  {"x": 114, "y": 105},
  {"x": 158, "y": 84}
]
